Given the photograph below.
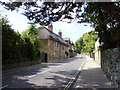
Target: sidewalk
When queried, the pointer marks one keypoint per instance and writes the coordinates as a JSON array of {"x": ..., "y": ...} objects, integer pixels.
[{"x": 91, "y": 76}]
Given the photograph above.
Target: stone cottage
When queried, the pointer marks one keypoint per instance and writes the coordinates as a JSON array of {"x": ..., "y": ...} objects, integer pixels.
[
  {"x": 71, "y": 48},
  {"x": 53, "y": 46}
]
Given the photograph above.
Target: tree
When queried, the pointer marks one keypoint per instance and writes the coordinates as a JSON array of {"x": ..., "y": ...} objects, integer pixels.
[
  {"x": 101, "y": 18},
  {"x": 18, "y": 48},
  {"x": 31, "y": 34},
  {"x": 86, "y": 42},
  {"x": 104, "y": 17},
  {"x": 32, "y": 30},
  {"x": 46, "y": 12}
]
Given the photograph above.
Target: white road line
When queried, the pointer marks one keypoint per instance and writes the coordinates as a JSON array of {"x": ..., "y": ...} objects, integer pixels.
[
  {"x": 4, "y": 86},
  {"x": 38, "y": 73},
  {"x": 58, "y": 66},
  {"x": 61, "y": 65},
  {"x": 64, "y": 64},
  {"x": 44, "y": 71}
]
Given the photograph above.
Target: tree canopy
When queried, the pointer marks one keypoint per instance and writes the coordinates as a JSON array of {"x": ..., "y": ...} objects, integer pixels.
[
  {"x": 18, "y": 48},
  {"x": 46, "y": 12},
  {"x": 103, "y": 16},
  {"x": 86, "y": 42}
]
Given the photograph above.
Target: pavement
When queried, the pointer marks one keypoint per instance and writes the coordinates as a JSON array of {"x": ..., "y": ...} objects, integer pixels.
[{"x": 92, "y": 76}]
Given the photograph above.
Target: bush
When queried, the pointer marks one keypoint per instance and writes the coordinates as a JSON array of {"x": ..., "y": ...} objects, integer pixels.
[{"x": 16, "y": 48}]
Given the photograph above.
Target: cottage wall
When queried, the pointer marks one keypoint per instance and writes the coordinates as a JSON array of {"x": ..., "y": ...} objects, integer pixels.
[
  {"x": 66, "y": 49},
  {"x": 44, "y": 45},
  {"x": 62, "y": 51},
  {"x": 55, "y": 50}
]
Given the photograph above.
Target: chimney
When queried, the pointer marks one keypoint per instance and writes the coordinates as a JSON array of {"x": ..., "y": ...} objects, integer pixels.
[
  {"x": 60, "y": 33},
  {"x": 50, "y": 27}
]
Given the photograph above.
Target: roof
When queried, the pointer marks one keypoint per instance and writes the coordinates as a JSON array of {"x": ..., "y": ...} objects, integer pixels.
[
  {"x": 45, "y": 33},
  {"x": 66, "y": 39}
]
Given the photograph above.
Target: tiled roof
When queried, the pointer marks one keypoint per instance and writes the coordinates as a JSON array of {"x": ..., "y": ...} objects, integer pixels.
[{"x": 45, "y": 33}]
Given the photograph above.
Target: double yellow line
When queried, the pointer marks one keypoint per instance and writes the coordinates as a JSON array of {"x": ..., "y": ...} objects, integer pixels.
[{"x": 74, "y": 77}]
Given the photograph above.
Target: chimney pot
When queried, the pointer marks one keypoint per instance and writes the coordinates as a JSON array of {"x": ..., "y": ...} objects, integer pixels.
[
  {"x": 50, "y": 27},
  {"x": 60, "y": 33}
]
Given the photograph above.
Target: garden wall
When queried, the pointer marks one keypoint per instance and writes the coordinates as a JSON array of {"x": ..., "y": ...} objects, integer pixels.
[
  {"x": 110, "y": 64},
  {"x": 22, "y": 64}
]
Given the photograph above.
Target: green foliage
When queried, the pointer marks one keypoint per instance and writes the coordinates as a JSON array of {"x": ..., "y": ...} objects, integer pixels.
[
  {"x": 32, "y": 30},
  {"x": 103, "y": 16},
  {"x": 17, "y": 48},
  {"x": 86, "y": 43}
]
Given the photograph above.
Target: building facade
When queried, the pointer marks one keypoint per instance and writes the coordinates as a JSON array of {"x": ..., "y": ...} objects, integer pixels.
[
  {"x": 53, "y": 46},
  {"x": 71, "y": 47}
]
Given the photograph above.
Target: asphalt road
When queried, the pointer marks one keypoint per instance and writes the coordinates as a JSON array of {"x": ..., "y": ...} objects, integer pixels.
[{"x": 47, "y": 75}]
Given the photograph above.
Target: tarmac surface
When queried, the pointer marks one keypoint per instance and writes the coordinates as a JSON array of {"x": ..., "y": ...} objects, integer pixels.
[
  {"x": 92, "y": 76},
  {"x": 77, "y": 72}
]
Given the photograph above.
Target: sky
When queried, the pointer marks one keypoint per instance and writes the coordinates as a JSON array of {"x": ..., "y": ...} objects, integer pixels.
[{"x": 73, "y": 30}]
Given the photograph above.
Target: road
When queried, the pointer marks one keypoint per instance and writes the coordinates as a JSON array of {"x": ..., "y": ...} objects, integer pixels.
[{"x": 47, "y": 75}]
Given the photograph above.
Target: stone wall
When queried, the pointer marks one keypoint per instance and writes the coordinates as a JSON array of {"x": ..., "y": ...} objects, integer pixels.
[
  {"x": 22, "y": 64},
  {"x": 110, "y": 63},
  {"x": 44, "y": 45},
  {"x": 55, "y": 51}
]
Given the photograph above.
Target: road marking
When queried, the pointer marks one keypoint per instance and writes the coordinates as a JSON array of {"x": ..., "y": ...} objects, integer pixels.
[
  {"x": 4, "y": 86},
  {"x": 74, "y": 77},
  {"x": 58, "y": 66},
  {"x": 64, "y": 64},
  {"x": 44, "y": 71},
  {"x": 38, "y": 73},
  {"x": 61, "y": 65}
]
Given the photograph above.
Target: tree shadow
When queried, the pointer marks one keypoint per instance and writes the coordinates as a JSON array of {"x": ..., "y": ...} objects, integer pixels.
[
  {"x": 92, "y": 78},
  {"x": 60, "y": 78},
  {"x": 20, "y": 77}
]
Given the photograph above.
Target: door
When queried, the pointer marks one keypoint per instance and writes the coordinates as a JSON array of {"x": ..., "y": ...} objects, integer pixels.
[{"x": 43, "y": 57}]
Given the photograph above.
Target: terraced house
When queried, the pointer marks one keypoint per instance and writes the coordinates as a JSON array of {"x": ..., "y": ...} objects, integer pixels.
[
  {"x": 71, "y": 47},
  {"x": 53, "y": 46}
]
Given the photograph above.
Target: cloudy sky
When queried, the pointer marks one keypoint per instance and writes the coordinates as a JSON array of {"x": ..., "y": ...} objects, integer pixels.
[{"x": 72, "y": 30}]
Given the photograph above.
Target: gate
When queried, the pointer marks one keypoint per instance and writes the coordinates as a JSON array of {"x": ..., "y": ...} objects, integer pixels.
[{"x": 43, "y": 57}]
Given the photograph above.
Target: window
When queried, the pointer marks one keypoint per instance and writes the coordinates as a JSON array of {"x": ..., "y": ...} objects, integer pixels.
[
  {"x": 56, "y": 44},
  {"x": 54, "y": 53}
]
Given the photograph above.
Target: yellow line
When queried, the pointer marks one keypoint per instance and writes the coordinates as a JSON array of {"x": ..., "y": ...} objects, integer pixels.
[{"x": 74, "y": 77}]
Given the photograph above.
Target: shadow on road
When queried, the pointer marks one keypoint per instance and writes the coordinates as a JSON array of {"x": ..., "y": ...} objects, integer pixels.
[
  {"x": 92, "y": 78},
  {"x": 60, "y": 78}
]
